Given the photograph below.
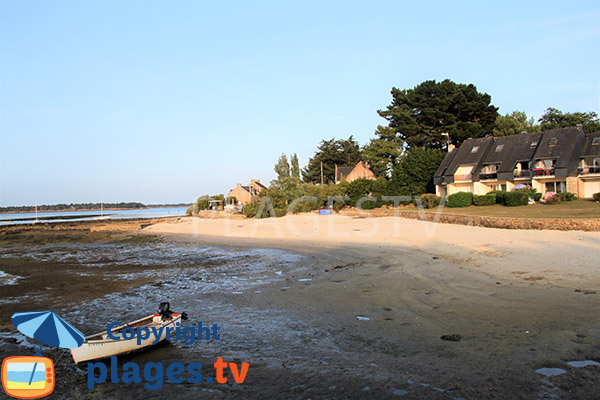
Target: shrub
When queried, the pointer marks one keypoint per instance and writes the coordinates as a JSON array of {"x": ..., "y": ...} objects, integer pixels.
[
  {"x": 553, "y": 199},
  {"x": 460, "y": 199},
  {"x": 531, "y": 193},
  {"x": 499, "y": 195},
  {"x": 430, "y": 200},
  {"x": 250, "y": 210},
  {"x": 518, "y": 198},
  {"x": 486, "y": 200},
  {"x": 358, "y": 189},
  {"x": 566, "y": 196},
  {"x": 596, "y": 196}
]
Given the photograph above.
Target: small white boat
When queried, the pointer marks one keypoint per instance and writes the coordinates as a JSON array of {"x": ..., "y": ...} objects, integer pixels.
[{"x": 99, "y": 345}]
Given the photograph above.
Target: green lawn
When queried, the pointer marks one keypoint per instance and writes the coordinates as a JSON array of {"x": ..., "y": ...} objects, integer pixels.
[{"x": 572, "y": 209}]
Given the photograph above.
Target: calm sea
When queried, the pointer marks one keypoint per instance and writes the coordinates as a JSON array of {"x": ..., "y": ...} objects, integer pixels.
[{"x": 63, "y": 216}]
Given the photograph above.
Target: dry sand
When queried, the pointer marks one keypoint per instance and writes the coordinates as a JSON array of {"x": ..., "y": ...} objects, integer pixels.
[{"x": 570, "y": 259}]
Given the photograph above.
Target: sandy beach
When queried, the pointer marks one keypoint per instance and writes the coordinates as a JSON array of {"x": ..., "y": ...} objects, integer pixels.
[{"x": 331, "y": 306}]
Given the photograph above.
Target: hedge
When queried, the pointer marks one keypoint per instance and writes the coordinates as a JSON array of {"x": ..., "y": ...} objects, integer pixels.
[
  {"x": 460, "y": 199},
  {"x": 518, "y": 198},
  {"x": 486, "y": 200},
  {"x": 566, "y": 196},
  {"x": 499, "y": 195},
  {"x": 596, "y": 196},
  {"x": 532, "y": 194}
]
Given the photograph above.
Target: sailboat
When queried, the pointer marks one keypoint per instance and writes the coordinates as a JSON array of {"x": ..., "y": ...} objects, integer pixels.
[
  {"x": 37, "y": 221},
  {"x": 102, "y": 216}
]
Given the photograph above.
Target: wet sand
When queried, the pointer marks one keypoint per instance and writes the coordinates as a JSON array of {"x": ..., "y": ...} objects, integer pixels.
[{"x": 324, "y": 316}]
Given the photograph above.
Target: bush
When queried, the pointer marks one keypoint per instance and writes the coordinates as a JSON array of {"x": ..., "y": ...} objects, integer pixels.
[
  {"x": 531, "y": 193},
  {"x": 250, "y": 210},
  {"x": 430, "y": 200},
  {"x": 358, "y": 189},
  {"x": 499, "y": 195},
  {"x": 460, "y": 199},
  {"x": 486, "y": 200},
  {"x": 518, "y": 198},
  {"x": 596, "y": 196},
  {"x": 553, "y": 199},
  {"x": 566, "y": 196}
]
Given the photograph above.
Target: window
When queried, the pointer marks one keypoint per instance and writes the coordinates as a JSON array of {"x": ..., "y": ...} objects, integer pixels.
[
  {"x": 475, "y": 149},
  {"x": 596, "y": 141},
  {"x": 556, "y": 187},
  {"x": 499, "y": 147},
  {"x": 533, "y": 144},
  {"x": 553, "y": 142}
]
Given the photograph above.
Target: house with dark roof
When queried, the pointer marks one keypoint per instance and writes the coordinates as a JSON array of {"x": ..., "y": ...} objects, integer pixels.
[
  {"x": 588, "y": 170},
  {"x": 246, "y": 194},
  {"x": 549, "y": 161},
  {"x": 352, "y": 173}
]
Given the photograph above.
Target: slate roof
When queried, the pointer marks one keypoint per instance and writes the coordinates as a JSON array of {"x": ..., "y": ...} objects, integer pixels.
[
  {"x": 515, "y": 148},
  {"x": 566, "y": 142},
  {"x": 343, "y": 172},
  {"x": 590, "y": 149},
  {"x": 441, "y": 171},
  {"x": 465, "y": 156}
]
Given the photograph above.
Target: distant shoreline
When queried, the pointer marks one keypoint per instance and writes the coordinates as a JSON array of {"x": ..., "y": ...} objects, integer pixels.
[{"x": 93, "y": 209}]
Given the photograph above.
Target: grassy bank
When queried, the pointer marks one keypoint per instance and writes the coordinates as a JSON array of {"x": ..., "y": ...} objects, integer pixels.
[{"x": 572, "y": 209}]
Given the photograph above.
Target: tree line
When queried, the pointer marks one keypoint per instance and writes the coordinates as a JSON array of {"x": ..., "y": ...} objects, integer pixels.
[
  {"x": 71, "y": 207},
  {"x": 405, "y": 152}
]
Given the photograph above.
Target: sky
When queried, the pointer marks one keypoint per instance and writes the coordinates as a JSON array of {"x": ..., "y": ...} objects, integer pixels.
[{"x": 164, "y": 101}]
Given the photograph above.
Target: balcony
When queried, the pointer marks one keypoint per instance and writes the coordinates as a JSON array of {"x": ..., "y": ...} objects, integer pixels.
[
  {"x": 541, "y": 172},
  {"x": 523, "y": 174},
  {"x": 488, "y": 176},
  {"x": 463, "y": 177},
  {"x": 595, "y": 169}
]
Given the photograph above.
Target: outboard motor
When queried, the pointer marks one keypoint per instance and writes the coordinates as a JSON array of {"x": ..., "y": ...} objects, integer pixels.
[{"x": 164, "y": 309}]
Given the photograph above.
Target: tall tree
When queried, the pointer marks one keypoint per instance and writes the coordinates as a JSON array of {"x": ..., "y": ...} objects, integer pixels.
[
  {"x": 554, "y": 118},
  {"x": 414, "y": 174},
  {"x": 331, "y": 152},
  {"x": 514, "y": 123},
  {"x": 295, "y": 171},
  {"x": 282, "y": 169},
  {"x": 421, "y": 115},
  {"x": 384, "y": 151}
]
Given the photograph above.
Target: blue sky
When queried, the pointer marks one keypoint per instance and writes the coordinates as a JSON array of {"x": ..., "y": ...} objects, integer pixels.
[{"x": 164, "y": 101}]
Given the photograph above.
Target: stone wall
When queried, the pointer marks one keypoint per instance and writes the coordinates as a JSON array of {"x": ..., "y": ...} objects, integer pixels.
[{"x": 561, "y": 224}]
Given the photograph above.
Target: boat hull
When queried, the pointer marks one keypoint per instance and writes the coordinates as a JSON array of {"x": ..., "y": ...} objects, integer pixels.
[{"x": 95, "y": 349}]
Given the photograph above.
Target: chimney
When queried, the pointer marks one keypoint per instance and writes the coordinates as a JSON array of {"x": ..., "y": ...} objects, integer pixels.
[
  {"x": 336, "y": 175},
  {"x": 451, "y": 147}
]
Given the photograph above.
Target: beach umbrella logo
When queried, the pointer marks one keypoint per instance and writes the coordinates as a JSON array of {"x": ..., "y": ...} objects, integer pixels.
[
  {"x": 48, "y": 328},
  {"x": 30, "y": 377}
]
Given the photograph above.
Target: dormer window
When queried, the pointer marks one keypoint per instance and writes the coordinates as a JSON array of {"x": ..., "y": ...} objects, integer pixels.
[
  {"x": 499, "y": 148},
  {"x": 533, "y": 144},
  {"x": 553, "y": 142},
  {"x": 596, "y": 141},
  {"x": 475, "y": 149}
]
